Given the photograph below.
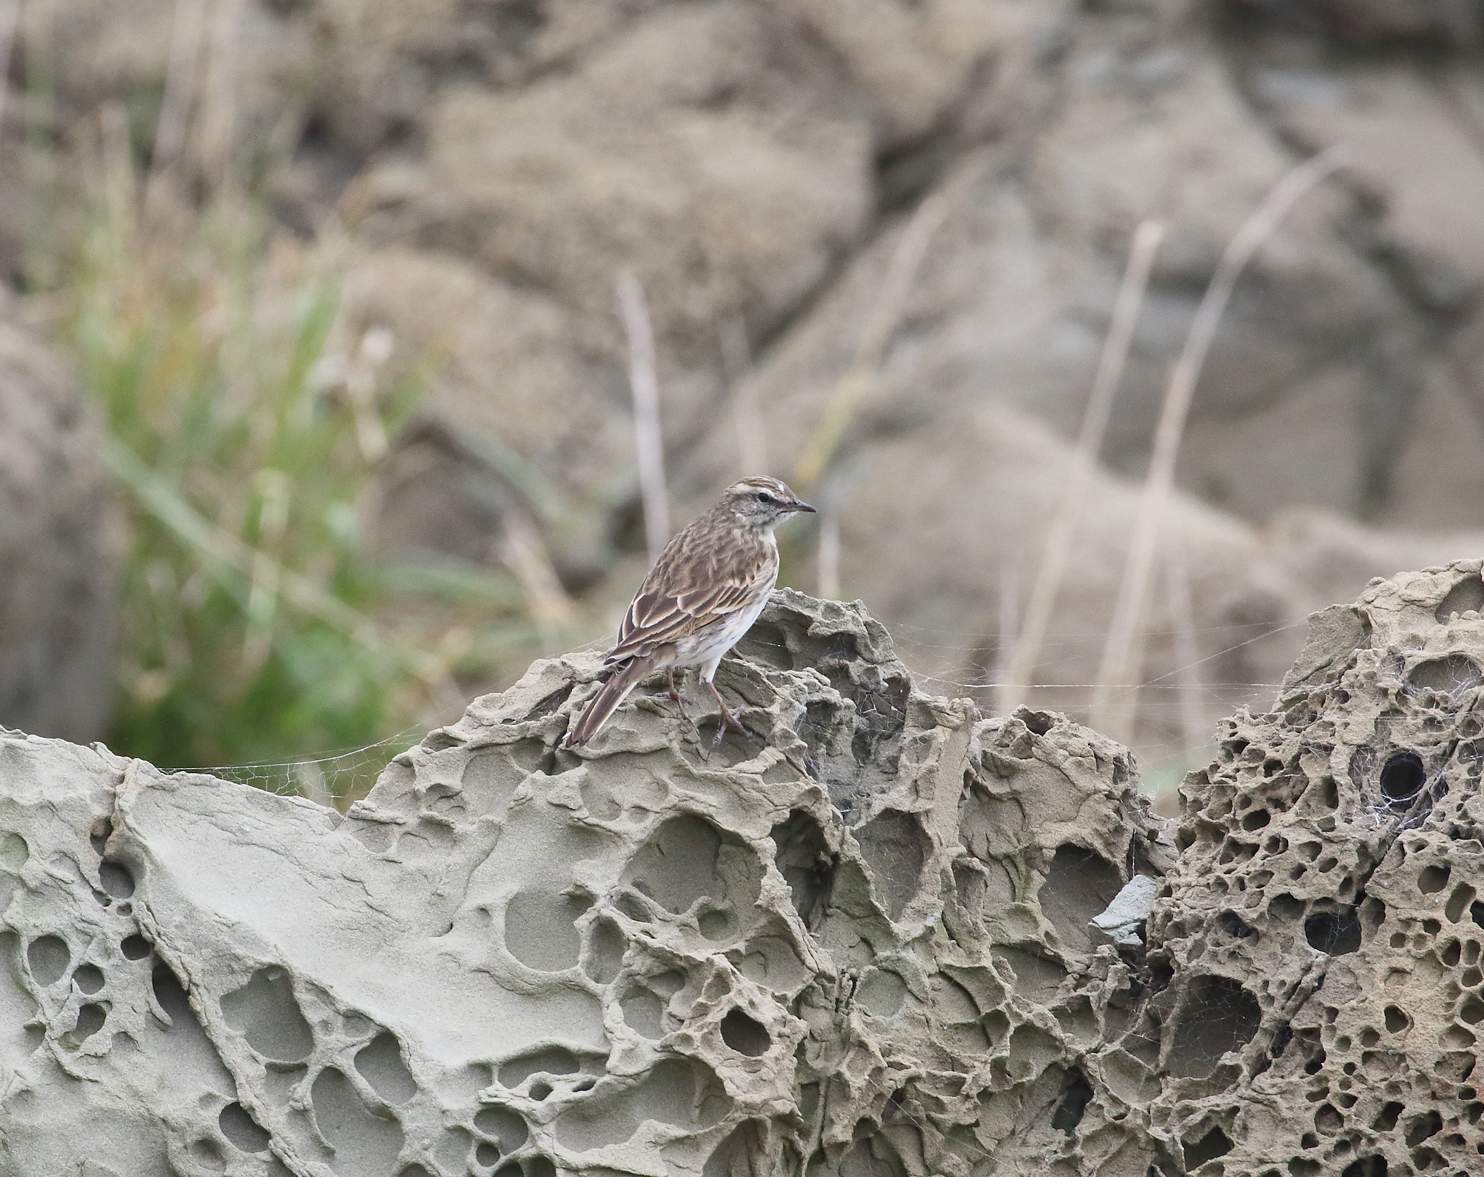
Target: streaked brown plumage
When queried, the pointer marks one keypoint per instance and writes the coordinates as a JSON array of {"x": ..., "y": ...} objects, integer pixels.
[{"x": 703, "y": 593}]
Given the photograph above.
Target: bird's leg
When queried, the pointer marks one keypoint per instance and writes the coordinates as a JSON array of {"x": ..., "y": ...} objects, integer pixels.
[
  {"x": 728, "y": 719},
  {"x": 676, "y": 697}
]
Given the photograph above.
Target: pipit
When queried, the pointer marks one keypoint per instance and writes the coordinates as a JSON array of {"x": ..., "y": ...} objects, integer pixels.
[{"x": 703, "y": 593}]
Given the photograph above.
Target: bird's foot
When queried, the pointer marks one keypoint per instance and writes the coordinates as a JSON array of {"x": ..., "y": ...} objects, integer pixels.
[
  {"x": 677, "y": 698},
  {"x": 729, "y": 719}
]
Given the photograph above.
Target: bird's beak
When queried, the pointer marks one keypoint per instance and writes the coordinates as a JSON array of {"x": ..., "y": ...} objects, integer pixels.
[{"x": 805, "y": 507}]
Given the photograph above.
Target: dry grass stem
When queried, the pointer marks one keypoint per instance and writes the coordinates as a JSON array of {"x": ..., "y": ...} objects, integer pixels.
[
  {"x": 829, "y": 551},
  {"x": 649, "y": 442},
  {"x": 218, "y": 127},
  {"x": 1119, "y": 653},
  {"x": 1009, "y": 623},
  {"x": 881, "y": 324},
  {"x": 524, "y": 554},
  {"x": 1020, "y": 666},
  {"x": 747, "y": 411},
  {"x": 1187, "y": 656},
  {"x": 181, "y": 69}
]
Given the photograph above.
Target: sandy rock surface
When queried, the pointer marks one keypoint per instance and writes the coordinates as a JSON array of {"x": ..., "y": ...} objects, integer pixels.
[{"x": 858, "y": 940}]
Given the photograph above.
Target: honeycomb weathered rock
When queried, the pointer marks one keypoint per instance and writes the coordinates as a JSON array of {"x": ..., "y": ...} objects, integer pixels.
[{"x": 854, "y": 941}]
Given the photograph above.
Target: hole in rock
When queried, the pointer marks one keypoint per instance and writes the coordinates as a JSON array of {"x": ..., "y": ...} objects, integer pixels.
[
  {"x": 90, "y": 1019},
  {"x": 1446, "y": 675},
  {"x": 1396, "y": 1020},
  {"x": 1402, "y": 778},
  {"x": 1076, "y": 1094},
  {"x": 1234, "y": 925},
  {"x": 744, "y": 1034},
  {"x": 550, "y": 704},
  {"x": 380, "y": 1064},
  {"x": 605, "y": 952},
  {"x": 687, "y": 859},
  {"x": 1218, "y": 1016},
  {"x": 551, "y": 1060},
  {"x": 1039, "y": 722},
  {"x": 872, "y": 1157},
  {"x": 1037, "y": 977},
  {"x": 88, "y": 978},
  {"x": 486, "y": 1154},
  {"x": 717, "y": 925},
  {"x": 1466, "y": 595},
  {"x": 176, "y": 1006},
  {"x": 683, "y": 1093},
  {"x": 1371, "y": 1166},
  {"x": 539, "y": 1090},
  {"x": 116, "y": 879},
  {"x": 135, "y": 948},
  {"x": 1458, "y": 902},
  {"x": 440, "y": 741},
  {"x": 540, "y": 1167},
  {"x": 957, "y": 1018},
  {"x": 541, "y": 931},
  {"x": 1256, "y": 819},
  {"x": 1286, "y": 906},
  {"x": 771, "y": 959},
  {"x": 1213, "y": 1144},
  {"x": 48, "y": 957},
  {"x": 644, "y": 1013},
  {"x": 736, "y": 1156},
  {"x": 266, "y": 1013},
  {"x": 100, "y": 835},
  {"x": 508, "y": 1130},
  {"x": 1079, "y": 885},
  {"x": 882, "y": 992},
  {"x": 13, "y": 851},
  {"x": 489, "y": 778},
  {"x": 241, "y": 1130},
  {"x": 1386, "y": 1118},
  {"x": 1420, "y": 1127},
  {"x": 894, "y": 847},
  {"x": 208, "y": 1153},
  {"x": 365, "y": 1144},
  {"x": 765, "y": 644},
  {"x": 1333, "y": 932},
  {"x": 806, "y": 865},
  {"x": 1433, "y": 879}
]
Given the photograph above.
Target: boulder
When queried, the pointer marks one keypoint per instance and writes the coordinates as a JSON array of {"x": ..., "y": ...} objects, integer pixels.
[{"x": 866, "y": 936}]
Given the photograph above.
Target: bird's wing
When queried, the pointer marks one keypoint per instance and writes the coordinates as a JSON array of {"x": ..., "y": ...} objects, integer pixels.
[{"x": 692, "y": 585}]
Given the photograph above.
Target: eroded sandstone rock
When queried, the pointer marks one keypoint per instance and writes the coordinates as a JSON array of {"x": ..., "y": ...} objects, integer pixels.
[{"x": 855, "y": 940}]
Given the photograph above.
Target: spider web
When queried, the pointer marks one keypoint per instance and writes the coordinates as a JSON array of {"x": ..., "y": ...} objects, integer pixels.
[
  {"x": 333, "y": 778},
  {"x": 337, "y": 777}
]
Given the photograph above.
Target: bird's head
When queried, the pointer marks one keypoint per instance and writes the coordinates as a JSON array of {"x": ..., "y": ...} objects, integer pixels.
[{"x": 761, "y": 502}]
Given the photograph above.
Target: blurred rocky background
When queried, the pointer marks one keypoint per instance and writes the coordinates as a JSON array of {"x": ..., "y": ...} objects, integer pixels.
[{"x": 337, "y": 279}]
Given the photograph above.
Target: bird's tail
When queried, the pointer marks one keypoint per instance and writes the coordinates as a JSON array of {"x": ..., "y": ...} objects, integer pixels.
[{"x": 606, "y": 701}]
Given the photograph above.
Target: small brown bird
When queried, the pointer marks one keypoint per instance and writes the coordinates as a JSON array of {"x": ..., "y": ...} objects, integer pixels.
[{"x": 703, "y": 593}]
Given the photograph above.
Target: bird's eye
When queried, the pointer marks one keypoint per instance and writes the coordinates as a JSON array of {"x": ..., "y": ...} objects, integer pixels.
[{"x": 764, "y": 497}]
